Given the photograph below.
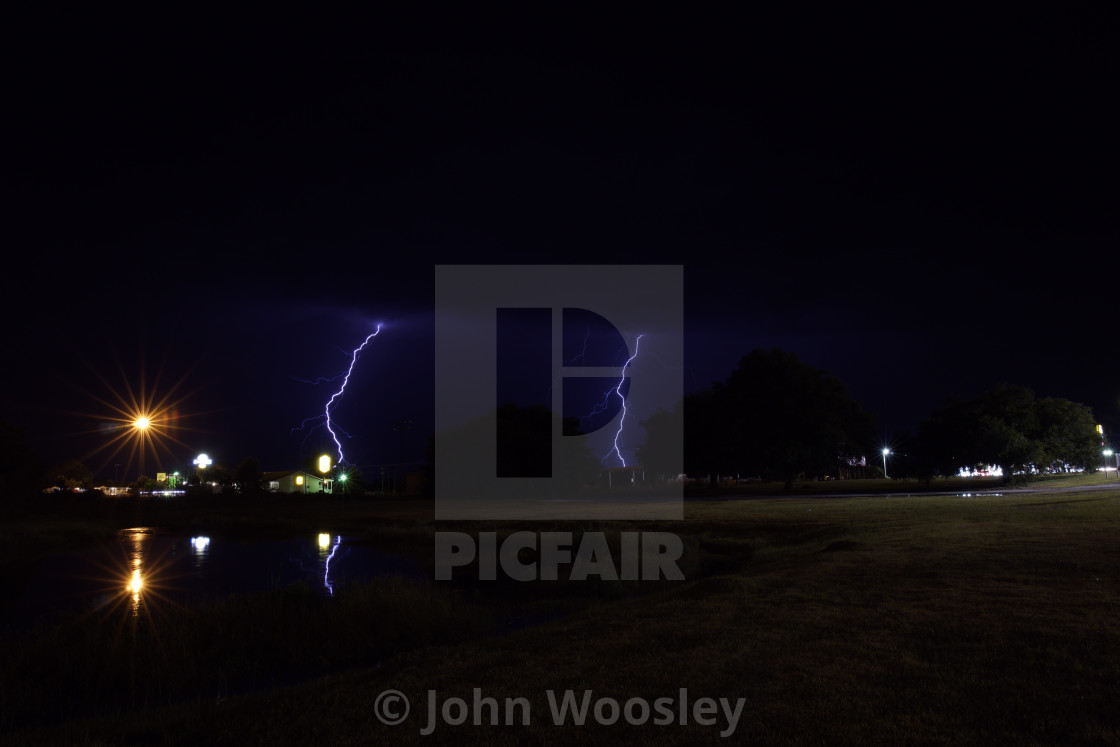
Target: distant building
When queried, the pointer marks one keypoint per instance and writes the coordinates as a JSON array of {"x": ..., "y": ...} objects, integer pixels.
[{"x": 295, "y": 481}]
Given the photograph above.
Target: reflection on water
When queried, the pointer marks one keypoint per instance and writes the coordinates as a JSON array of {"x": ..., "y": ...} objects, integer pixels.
[
  {"x": 145, "y": 569},
  {"x": 327, "y": 563},
  {"x": 136, "y": 537},
  {"x": 200, "y": 550}
]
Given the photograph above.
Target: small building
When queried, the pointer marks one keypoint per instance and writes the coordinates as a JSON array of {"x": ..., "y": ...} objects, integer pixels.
[{"x": 295, "y": 481}]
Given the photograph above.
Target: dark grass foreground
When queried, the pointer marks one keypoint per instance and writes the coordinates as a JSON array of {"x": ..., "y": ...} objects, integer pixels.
[{"x": 916, "y": 620}]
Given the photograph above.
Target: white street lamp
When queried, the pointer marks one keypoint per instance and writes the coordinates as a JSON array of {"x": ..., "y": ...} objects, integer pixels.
[{"x": 885, "y": 452}]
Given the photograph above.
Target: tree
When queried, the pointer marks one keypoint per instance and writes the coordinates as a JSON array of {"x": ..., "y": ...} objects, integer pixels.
[
  {"x": 1067, "y": 434},
  {"x": 708, "y": 436},
  {"x": 71, "y": 475},
  {"x": 1010, "y": 427},
  {"x": 775, "y": 417},
  {"x": 662, "y": 452},
  {"x": 247, "y": 477}
]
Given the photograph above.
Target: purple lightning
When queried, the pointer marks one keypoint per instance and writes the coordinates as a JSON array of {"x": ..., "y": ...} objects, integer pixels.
[
  {"x": 603, "y": 404},
  {"x": 338, "y": 394},
  {"x": 571, "y": 362},
  {"x": 327, "y": 570},
  {"x": 320, "y": 380},
  {"x": 618, "y": 390}
]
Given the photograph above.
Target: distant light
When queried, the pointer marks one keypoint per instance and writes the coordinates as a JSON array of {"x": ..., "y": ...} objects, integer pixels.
[
  {"x": 200, "y": 543},
  {"x": 203, "y": 461},
  {"x": 324, "y": 464},
  {"x": 135, "y": 584},
  {"x": 342, "y": 477},
  {"x": 886, "y": 451},
  {"x": 1108, "y": 452},
  {"x": 142, "y": 422},
  {"x": 324, "y": 540},
  {"x": 299, "y": 479}
]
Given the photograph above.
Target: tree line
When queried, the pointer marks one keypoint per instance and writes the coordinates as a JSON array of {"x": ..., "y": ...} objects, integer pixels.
[
  {"x": 775, "y": 418},
  {"x": 779, "y": 419}
]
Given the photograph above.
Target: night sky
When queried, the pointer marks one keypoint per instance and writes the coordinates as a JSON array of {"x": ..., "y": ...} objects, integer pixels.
[{"x": 920, "y": 204}]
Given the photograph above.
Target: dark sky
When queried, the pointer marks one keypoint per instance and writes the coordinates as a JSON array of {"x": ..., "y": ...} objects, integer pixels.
[{"x": 919, "y": 204}]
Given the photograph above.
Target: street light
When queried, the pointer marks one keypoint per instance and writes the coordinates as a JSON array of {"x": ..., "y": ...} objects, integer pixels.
[
  {"x": 1107, "y": 453},
  {"x": 885, "y": 452},
  {"x": 202, "y": 462},
  {"x": 141, "y": 425}
]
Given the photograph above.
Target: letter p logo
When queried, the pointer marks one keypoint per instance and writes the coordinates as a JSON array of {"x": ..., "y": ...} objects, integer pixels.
[{"x": 541, "y": 387}]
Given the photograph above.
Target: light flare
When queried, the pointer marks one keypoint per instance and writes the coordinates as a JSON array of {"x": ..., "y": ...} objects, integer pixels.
[{"x": 144, "y": 423}]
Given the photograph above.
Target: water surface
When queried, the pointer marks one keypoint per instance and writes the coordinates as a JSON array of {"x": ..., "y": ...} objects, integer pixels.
[{"x": 145, "y": 565}]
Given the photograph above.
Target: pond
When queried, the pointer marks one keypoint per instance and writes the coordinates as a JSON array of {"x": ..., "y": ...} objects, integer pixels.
[{"x": 145, "y": 565}]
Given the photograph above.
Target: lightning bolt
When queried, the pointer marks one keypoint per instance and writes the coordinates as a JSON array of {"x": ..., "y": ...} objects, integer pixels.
[
  {"x": 618, "y": 390},
  {"x": 586, "y": 337},
  {"x": 321, "y": 379},
  {"x": 325, "y": 418},
  {"x": 571, "y": 362},
  {"x": 317, "y": 419},
  {"x": 605, "y": 401},
  {"x": 337, "y": 395},
  {"x": 327, "y": 570}
]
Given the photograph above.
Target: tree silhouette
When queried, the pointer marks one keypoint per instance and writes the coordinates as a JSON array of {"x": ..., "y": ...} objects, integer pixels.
[
  {"x": 1010, "y": 427},
  {"x": 775, "y": 417},
  {"x": 247, "y": 477},
  {"x": 71, "y": 474},
  {"x": 662, "y": 453}
]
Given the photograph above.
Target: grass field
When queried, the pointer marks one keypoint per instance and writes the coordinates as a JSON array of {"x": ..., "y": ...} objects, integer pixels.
[{"x": 915, "y": 619}]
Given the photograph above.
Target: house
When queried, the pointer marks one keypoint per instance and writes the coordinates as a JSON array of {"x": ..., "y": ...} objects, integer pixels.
[{"x": 295, "y": 481}]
